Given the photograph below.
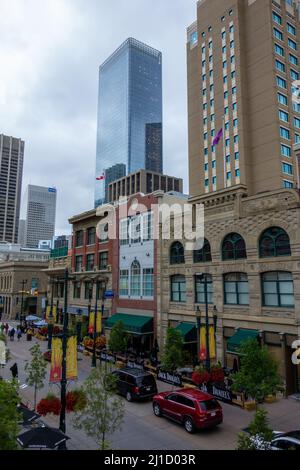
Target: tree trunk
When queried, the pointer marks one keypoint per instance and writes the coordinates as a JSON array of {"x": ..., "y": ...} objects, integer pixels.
[{"x": 35, "y": 393}]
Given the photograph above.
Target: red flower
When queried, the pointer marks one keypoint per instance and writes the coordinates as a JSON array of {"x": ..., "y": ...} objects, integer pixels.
[
  {"x": 49, "y": 404},
  {"x": 217, "y": 374},
  {"x": 200, "y": 377}
]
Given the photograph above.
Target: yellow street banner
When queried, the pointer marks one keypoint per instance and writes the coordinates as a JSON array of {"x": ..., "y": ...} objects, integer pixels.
[
  {"x": 56, "y": 360},
  {"x": 98, "y": 322},
  {"x": 212, "y": 343},
  {"x": 72, "y": 358},
  {"x": 48, "y": 311}
]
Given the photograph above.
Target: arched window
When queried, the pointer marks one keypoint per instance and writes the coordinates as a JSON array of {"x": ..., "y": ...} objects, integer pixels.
[
  {"x": 236, "y": 289},
  {"x": 233, "y": 247},
  {"x": 177, "y": 253},
  {"x": 135, "y": 279},
  {"x": 204, "y": 254},
  {"x": 278, "y": 289},
  {"x": 274, "y": 242},
  {"x": 178, "y": 289}
]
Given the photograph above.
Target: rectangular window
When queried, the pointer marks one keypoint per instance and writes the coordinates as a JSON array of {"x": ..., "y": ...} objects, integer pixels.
[
  {"x": 178, "y": 289},
  {"x": 277, "y": 18},
  {"x": 227, "y": 158},
  {"x": 278, "y": 34},
  {"x": 236, "y": 155},
  {"x": 226, "y": 126},
  {"x": 135, "y": 229},
  {"x": 234, "y": 106},
  {"x": 224, "y": 35},
  {"x": 88, "y": 290},
  {"x": 214, "y": 164},
  {"x": 227, "y": 142},
  {"x": 103, "y": 260},
  {"x": 236, "y": 139},
  {"x": 282, "y": 99},
  {"x": 214, "y": 180},
  {"x": 231, "y": 29},
  {"x": 233, "y": 90},
  {"x": 291, "y": 29},
  {"x": 237, "y": 172},
  {"x": 212, "y": 117},
  {"x": 293, "y": 59},
  {"x": 231, "y": 44},
  {"x": 206, "y": 151},
  {"x": 124, "y": 233},
  {"x": 79, "y": 238},
  {"x": 236, "y": 289},
  {"x": 206, "y": 167},
  {"x": 207, "y": 183},
  {"x": 279, "y": 50},
  {"x": 76, "y": 290},
  {"x": 284, "y": 133},
  {"x": 78, "y": 263},
  {"x": 212, "y": 103},
  {"x": 91, "y": 236},
  {"x": 205, "y": 122},
  {"x": 292, "y": 44},
  {"x": 278, "y": 289},
  {"x": 294, "y": 75},
  {"x": 224, "y": 49},
  {"x": 224, "y": 64},
  {"x": 148, "y": 226},
  {"x": 90, "y": 262},
  {"x": 297, "y": 138},
  {"x": 297, "y": 123},
  {"x": 286, "y": 151},
  {"x": 148, "y": 285},
  {"x": 226, "y": 110},
  {"x": 288, "y": 184},
  {"x": 279, "y": 65},
  {"x": 287, "y": 168},
  {"x": 124, "y": 282},
  {"x": 283, "y": 116},
  {"x": 233, "y": 74},
  {"x": 228, "y": 175},
  {"x": 225, "y": 79},
  {"x": 225, "y": 95},
  {"x": 296, "y": 107},
  {"x": 235, "y": 123}
]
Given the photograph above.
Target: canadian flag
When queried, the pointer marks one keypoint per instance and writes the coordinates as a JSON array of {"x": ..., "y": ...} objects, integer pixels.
[{"x": 100, "y": 178}]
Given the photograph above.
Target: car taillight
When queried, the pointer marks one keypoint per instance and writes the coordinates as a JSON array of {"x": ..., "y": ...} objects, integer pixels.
[{"x": 136, "y": 390}]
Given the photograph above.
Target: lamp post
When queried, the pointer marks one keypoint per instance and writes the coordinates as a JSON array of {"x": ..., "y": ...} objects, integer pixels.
[
  {"x": 63, "y": 388},
  {"x": 198, "y": 318},
  {"x": 51, "y": 319},
  {"x": 78, "y": 325},
  {"x": 203, "y": 277},
  {"x": 94, "y": 359},
  {"x": 24, "y": 282}
]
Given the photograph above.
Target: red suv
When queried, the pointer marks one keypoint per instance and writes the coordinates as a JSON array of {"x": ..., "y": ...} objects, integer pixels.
[{"x": 191, "y": 407}]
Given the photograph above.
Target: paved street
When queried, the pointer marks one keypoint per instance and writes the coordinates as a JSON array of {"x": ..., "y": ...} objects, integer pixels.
[{"x": 141, "y": 429}]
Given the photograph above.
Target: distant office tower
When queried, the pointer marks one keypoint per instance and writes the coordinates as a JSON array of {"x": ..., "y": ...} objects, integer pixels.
[
  {"x": 21, "y": 234},
  {"x": 40, "y": 220},
  {"x": 129, "y": 134},
  {"x": 11, "y": 172},
  {"x": 243, "y": 60},
  {"x": 61, "y": 241}
]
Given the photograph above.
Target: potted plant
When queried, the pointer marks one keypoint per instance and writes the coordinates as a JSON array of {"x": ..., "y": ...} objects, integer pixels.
[
  {"x": 200, "y": 376},
  {"x": 50, "y": 404}
]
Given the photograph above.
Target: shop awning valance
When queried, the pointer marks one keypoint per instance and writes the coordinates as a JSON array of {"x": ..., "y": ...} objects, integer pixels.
[
  {"x": 188, "y": 332},
  {"x": 238, "y": 338},
  {"x": 136, "y": 324}
]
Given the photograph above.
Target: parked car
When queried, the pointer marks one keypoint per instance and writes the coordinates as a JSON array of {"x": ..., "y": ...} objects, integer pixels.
[
  {"x": 135, "y": 384},
  {"x": 281, "y": 441},
  {"x": 190, "y": 407}
]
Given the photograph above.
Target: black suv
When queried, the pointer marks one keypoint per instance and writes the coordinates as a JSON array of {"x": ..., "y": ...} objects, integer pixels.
[{"x": 135, "y": 384}]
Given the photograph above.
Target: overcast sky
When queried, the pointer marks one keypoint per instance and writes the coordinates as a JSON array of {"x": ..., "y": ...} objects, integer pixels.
[{"x": 50, "y": 51}]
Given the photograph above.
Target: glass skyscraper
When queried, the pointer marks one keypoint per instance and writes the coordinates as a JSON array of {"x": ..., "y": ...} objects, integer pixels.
[{"x": 129, "y": 133}]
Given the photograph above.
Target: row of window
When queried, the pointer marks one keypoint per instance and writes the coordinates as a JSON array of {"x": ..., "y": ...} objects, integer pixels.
[
  {"x": 88, "y": 290},
  {"x": 289, "y": 27},
  {"x": 277, "y": 288},
  {"x": 231, "y": 29},
  {"x": 136, "y": 282},
  {"x": 90, "y": 236},
  {"x": 273, "y": 242},
  {"x": 136, "y": 229},
  {"x": 90, "y": 262}
]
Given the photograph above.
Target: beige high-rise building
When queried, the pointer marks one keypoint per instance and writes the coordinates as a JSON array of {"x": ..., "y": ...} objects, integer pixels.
[{"x": 243, "y": 57}]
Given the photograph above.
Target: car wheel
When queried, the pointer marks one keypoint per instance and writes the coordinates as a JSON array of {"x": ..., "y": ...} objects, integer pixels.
[
  {"x": 156, "y": 409},
  {"x": 189, "y": 425},
  {"x": 128, "y": 396}
]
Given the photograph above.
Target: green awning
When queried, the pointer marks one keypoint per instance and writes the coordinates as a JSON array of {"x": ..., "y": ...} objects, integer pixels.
[
  {"x": 238, "y": 338},
  {"x": 188, "y": 332},
  {"x": 136, "y": 324}
]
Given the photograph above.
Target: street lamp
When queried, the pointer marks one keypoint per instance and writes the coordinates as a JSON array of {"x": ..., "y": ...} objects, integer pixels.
[
  {"x": 203, "y": 277},
  {"x": 24, "y": 282},
  {"x": 198, "y": 318},
  {"x": 94, "y": 363},
  {"x": 78, "y": 325},
  {"x": 51, "y": 317}
]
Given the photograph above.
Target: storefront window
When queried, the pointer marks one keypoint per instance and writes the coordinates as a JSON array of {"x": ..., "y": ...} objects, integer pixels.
[
  {"x": 178, "y": 289},
  {"x": 236, "y": 289},
  {"x": 278, "y": 289}
]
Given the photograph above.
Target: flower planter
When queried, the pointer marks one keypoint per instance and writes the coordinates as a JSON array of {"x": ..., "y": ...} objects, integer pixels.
[
  {"x": 250, "y": 405},
  {"x": 270, "y": 399}
]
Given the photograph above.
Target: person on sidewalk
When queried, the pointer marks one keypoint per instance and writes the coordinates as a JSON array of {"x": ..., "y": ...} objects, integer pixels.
[
  {"x": 14, "y": 370},
  {"x": 6, "y": 328},
  {"x": 12, "y": 334},
  {"x": 2, "y": 327},
  {"x": 19, "y": 334}
]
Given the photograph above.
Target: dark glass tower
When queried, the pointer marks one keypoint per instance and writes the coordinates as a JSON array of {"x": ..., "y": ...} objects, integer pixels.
[{"x": 129, "y": 134}]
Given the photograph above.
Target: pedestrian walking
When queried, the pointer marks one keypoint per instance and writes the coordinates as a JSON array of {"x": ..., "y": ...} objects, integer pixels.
[
  {"x": 19, "y": 333},
  {"x": 6, "y": 328},
  {"x": 2, "y": 327},
  {"x": 14, "y": 370},
  {"x": 12, "y": 334}
]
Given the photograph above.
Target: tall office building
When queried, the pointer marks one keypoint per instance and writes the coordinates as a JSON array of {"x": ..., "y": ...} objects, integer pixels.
[
  {"x": 129, "y": 135},
  {"x": 11, "y": 172},
  {"x": 243, "y": 60},
  {"x": 40, "y": 219}
]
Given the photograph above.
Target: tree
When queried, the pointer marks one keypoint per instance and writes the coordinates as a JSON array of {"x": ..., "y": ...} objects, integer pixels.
[
  {"x": 104, "y": 410},
  {"x": 258, "y": 375},
  {"x": 172, "y": 357},
  {"x": 7, "y": 352},
  {"x": 118, "y": 338},
  {"x": 9, "y": 415},
  {"x": 259, "y": 430},
  {"x": 36, "y": 370}
]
